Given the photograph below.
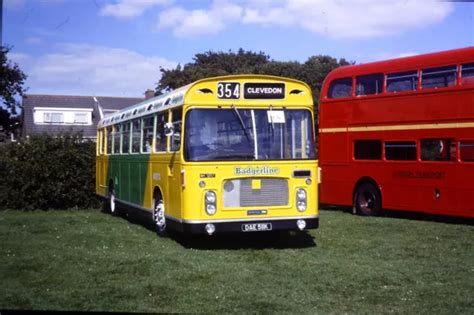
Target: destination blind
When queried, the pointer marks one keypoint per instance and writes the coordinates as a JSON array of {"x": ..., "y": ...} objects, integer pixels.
[{"x": 264, "y": 90}]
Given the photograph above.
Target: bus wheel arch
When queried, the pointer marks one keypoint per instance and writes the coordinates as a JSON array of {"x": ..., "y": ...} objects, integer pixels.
[
  {"x": 159, "y": 209},
  {"x": 367, "y": 197}
]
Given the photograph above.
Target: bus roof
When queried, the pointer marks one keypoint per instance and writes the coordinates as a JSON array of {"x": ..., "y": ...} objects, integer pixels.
[
  {"x": 181, "y": 96},
  {"x": 404, "y": 64}
]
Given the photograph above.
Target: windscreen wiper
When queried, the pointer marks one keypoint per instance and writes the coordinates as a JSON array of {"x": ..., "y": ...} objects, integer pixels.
[{"x": 236, "y": 112}]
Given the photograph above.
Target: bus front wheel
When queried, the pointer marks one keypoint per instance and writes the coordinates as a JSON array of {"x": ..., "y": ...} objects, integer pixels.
[
  {"x": 159, "y": 216},
  {"x": 367, "y": 200}
]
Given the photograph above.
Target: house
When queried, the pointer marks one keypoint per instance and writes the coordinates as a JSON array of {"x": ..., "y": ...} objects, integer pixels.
[{"x": 58, "y": 114}]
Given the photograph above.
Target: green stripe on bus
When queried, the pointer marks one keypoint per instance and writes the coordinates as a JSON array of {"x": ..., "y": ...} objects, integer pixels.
[{"x": 129, "y": 173}]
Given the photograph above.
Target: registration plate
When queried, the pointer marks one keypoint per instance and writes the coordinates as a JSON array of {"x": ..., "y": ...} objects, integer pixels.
[{"x": 255, "y": 227}]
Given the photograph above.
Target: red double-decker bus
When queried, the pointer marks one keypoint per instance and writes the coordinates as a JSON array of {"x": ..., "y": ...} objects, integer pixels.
[{"x": 399, "y": 134}]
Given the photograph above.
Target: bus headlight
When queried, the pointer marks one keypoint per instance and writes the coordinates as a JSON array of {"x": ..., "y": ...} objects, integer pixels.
[
  {"x": 210, "y": 202},
  {"x": 301, "y": 199}
]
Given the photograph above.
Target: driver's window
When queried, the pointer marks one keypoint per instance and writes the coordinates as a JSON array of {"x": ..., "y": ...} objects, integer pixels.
[{"x": 176, "y": 121}]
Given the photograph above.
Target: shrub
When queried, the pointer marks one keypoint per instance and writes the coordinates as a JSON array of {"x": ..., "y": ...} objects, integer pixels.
[{"x": 46, "y": 172}]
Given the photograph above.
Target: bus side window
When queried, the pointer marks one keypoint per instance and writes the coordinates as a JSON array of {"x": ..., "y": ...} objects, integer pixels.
[
  {"x": 109, "y": 140},
  {"x": 160, "y": 138},
  {"x": 126, "y": 137},
  {"x": 136, "y": 135},
  {"x": 369, "y": 84},
  {"x": 438, "y": 150},
  {"x": 176, "y": 121},
  {"x": 467, "y": 73},
  {"x": 117, "y": 133},
  {"x": 147, "y": 134},
  {"x": 340, "y": 88},
  {"x": 438, "y": 77},
  {"x": 402, "y": 81},
  {"x": 400, "y": 150},
  {"x": 99, "y": 142},
  {"x": 367, "y": 150},
  {"x": 466, "y": 148}
]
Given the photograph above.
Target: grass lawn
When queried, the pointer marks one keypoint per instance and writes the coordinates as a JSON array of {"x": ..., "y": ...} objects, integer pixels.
[{"x": 90, "y": 261}]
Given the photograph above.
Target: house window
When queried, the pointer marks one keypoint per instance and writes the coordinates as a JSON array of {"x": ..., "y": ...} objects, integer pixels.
[
  {"x": 55, "y": 118},
  {"x": 81, "y": 118}
]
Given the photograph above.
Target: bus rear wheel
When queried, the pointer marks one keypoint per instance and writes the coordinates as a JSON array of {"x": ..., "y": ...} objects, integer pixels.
[
  {"x": 159, "y": 216},
  {"x": 110, "y": 205},
  {"x": 367, "y": 200}
]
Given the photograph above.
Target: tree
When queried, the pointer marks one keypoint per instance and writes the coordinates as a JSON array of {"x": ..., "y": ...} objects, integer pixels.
[
  {"x": 210, "y": 64},
  {"x": 11, "y": 81}
]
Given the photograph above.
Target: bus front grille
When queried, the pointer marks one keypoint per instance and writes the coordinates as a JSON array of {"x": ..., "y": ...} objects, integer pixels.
[{"x": 248, "y": 192}]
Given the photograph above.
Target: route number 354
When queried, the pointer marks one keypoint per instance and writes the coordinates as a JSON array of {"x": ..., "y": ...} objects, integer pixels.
[{"x": 228, "y": 90}]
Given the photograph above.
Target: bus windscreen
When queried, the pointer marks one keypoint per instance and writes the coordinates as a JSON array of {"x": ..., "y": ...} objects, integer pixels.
[{"x": 248, "y": 134}]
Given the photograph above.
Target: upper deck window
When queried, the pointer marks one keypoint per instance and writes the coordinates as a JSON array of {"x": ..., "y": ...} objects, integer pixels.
[
  {"x": 467, "y": 73},
  {"x": 438, "y": 77},
  {"x": 402, "y": 81},
  {"x": 340, "y": 88},
  {"x": 369, "y": 84}
]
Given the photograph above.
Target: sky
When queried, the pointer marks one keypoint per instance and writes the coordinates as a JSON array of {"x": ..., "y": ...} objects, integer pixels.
[{"x": 116, "y": 47}]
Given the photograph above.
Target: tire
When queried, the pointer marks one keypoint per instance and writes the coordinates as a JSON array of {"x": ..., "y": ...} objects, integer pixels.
[
  {"x": 159, "y": 216},
  {"x": 367, "y": 200},
  {"x": 109, "y": 205}
]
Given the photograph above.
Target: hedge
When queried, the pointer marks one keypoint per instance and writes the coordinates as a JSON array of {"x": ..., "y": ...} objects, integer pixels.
[{"x": 46, "y": 172}]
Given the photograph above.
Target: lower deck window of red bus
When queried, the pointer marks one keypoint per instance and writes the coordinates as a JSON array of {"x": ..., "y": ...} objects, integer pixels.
[
  {"x": 466, "y": 148},
  {"x": 400, "y": 150},
  {"x": 367, "y": 150},
  {"x": 438, "y": 150}
]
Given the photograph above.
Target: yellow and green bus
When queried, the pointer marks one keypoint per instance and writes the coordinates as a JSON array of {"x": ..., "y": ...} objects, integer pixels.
[{"x": 223, "y": 154}]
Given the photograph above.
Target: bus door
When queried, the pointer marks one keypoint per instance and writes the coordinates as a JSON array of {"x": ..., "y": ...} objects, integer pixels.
[{"x": 174, "y": 175}]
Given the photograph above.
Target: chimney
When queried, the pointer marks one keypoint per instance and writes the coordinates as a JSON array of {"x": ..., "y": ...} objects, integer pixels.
[{"x": 149, "y": 94}]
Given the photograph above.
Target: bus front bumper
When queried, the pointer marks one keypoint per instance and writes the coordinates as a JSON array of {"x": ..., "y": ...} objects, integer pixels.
[{"x": 262, "y": 225}]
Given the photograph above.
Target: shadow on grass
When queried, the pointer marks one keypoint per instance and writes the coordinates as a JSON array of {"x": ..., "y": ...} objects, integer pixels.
[
  {"x": 256, "y": 240},
  {"x": 409, "y": 215},
  {"x": 230, "y": 241},
  {"x": 418, "y": 216}
]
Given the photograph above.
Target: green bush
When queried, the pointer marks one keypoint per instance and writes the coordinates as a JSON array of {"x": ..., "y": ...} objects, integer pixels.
[{"x": 45, "y": 172}]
